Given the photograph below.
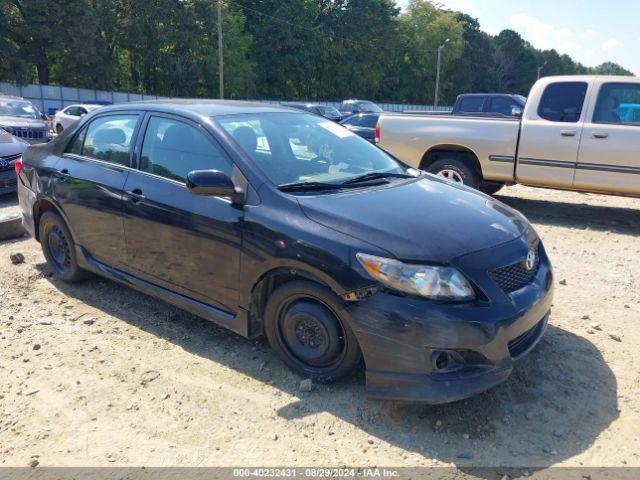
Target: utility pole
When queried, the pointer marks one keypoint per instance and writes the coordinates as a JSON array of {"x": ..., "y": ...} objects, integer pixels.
[
  {"x": 220, "y": 56},
  {"x": 435, "y": 100},
  {"x": 540, "y": 67}
]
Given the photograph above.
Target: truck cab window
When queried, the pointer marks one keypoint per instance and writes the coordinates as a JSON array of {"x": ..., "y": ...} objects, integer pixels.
[
  {"x": 563, "y": 102},
  {"x": 618, "y": 103}
]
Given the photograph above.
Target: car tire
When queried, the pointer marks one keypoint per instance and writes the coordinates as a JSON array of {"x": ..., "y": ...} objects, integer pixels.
[
  {"x": 59, "y": 248},
  {"x": 455, "y": 170},
  {"x": 491, "y": 188},
  {"x": 305, "y": 324},
  {"x": 59, "y": 129}
]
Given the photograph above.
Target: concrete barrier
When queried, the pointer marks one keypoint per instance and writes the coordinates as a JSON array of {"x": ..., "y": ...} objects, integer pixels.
[{"x": 11, "y": 227}]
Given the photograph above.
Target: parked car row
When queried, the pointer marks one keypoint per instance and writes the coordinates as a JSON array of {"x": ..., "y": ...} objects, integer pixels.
[{"x": 272, "y": 221}]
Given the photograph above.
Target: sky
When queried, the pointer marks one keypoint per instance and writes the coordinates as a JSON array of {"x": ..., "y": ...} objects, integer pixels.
[{"x": 591, "y": 31}]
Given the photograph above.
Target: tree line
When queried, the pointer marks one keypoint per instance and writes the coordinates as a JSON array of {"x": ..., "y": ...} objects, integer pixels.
[{"x": 273, "y": 49}]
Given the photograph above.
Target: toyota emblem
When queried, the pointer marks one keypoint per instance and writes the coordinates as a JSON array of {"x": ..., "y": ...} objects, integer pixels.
[{"x": 530, "y": 261}]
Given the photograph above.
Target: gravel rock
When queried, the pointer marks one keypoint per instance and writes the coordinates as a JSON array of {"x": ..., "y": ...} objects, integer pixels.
[
  {"x": 16, "y": 258},
  {"x": 34, "y": 463},
  {"x": 615, "y": 337},
  {"x": 563, "y": 282},
  {"x": 306, "y": 385},
  {"x": 595, "y": 326}
]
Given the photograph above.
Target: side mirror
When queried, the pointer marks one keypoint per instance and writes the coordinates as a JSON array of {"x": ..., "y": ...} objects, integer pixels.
[
  {"x": 516, "y": 111},
  {"x": 213, "y": 183}
]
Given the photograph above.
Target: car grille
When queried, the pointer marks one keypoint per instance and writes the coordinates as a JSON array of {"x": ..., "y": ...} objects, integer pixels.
[
  {"x": 515, "y": 276},
  {"x": 519, "y": 345},
  {"x": 6, "y": 163},
  {"x": 30, "y": 133}
]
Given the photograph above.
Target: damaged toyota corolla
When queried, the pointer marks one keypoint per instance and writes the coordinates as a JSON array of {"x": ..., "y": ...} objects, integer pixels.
[{"x": 271, "y": 221}]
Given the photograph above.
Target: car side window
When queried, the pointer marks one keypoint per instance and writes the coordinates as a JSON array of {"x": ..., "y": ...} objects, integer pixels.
[
  {"x": 73, "y": 111},
  {"x": 354, "y": 120},
  {"x": 472, "y": 104},
  {"x": 618, "y": 103},
  {"x": 171, "y": 149},
  {"x": 369, "y": 121},
  {"x": 108, "y": 138},
  {"x": 75, "y": 146},
  {"x": 502, "y": 105},
  {"x": 563, "y": 101}
]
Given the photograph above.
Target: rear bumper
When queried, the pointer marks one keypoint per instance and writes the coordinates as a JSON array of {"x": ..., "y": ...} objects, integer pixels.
[
  {"x": 404, "y": 341},
  {"x": 26, "y": 200}
]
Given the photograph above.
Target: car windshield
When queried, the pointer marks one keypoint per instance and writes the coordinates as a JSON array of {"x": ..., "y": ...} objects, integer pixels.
[
  {"x": 17, "y": 108},
  {"x": 330, "y": 111},
  {"x": 369, "y": 107},
  {"x": 293, "y": 148}
]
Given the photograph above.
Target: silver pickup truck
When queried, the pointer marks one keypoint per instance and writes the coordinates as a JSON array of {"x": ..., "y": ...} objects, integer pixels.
[{"x": 576, "y": 133}]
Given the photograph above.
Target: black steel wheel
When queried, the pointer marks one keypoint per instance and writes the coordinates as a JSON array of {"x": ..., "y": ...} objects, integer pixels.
[
  {"x": 306, "y": 326},
  {"x": 59, "y": 249}
]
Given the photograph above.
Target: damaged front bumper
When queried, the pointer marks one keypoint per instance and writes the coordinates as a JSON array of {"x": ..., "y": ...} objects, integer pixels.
[{"x": 420, "y": 351}]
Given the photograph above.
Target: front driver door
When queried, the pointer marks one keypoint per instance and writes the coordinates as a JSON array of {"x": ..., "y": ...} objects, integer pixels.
[
  {"x": 187, "y": 243},
  {"x": 609, "y": 159},
  {"x": 550, "y": 136}
]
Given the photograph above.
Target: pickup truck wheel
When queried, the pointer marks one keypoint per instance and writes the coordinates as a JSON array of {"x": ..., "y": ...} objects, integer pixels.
[
  {"x": 304, "y": 324},
  {"x": 456, "y": 171}
]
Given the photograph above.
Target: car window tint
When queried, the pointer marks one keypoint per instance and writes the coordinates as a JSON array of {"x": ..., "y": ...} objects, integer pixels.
[
  {"x": 354, "y": 120},
  {"x": 502, "y": 105},
  {"x": 172, "y": 149},
  {"x": 563, "y": 101},
  {"x": 108, "y": 138},
  {"x": 471, "y": 104},
  {"x": 369, "y": 121},
  {"x": 75, "y": 146},
  {"x": 618, "y": 103}
]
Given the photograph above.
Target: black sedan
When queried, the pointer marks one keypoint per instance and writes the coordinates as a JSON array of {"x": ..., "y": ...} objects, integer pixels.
[
  {"x": 363, "y": 124},
  {"x": 282, "y": 223}
]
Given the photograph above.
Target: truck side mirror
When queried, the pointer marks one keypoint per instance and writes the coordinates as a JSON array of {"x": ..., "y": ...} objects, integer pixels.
[{"x": 516, "y": 111}]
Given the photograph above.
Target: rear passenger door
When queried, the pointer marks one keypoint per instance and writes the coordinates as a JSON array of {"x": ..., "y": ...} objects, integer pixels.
[
  {"x": 550, "y": 136},
  {"x": 186, "y": 243},
  {"x": 609, "y": 158},
  {"x": 89, "y": 180}
]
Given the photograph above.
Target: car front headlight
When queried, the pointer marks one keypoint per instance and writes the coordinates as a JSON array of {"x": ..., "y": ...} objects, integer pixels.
[{"x": 432, "y": 282}]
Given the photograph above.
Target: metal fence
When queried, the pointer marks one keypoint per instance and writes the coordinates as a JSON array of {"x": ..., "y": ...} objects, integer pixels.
[{"x": 50, "y": 98}]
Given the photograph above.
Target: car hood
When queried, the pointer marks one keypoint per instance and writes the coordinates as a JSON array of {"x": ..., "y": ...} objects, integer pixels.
[
  {"x": 10, "y": 145},
  {"x": 423, "y": 220},
  {"x": 22, "y": 122}
]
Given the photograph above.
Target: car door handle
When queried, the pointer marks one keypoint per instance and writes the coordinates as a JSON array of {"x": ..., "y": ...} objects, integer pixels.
[
  {"x": 568, "y": 133},
  {"x": 600, "y": 135},
  {"x": 136, "y": 195}
]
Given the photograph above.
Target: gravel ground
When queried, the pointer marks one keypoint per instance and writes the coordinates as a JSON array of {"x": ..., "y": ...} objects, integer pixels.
[{"x": 98, "y": 374}]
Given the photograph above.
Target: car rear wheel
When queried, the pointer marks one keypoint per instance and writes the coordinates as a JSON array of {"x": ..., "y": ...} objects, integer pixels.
[
  {"x": 59, "y": 249},
  {"x": 456, "y": 171},
  {"x": 59, "y": 129},
  {"x": 305, "y": 324}
]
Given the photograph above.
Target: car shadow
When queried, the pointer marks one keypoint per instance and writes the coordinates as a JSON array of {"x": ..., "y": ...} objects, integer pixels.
[
  {"x": 554, "y": 406},
  {"x": 577, "y": 215}
]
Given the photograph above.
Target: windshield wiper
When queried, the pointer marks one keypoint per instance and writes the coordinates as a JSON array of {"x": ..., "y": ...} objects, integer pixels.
[
  {"x": 300, "y": 186},
  {"x": 375, "y": 176}
]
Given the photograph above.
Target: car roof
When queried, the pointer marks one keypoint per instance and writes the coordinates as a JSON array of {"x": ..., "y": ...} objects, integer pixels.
[{"x": 209, "y": 108}]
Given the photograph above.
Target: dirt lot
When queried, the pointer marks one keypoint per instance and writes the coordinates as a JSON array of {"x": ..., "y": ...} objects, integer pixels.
[{"x": 97, "y": 374}]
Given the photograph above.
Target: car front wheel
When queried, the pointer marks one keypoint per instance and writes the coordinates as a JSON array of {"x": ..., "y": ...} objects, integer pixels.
[{"x": 305, "y": 324}]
